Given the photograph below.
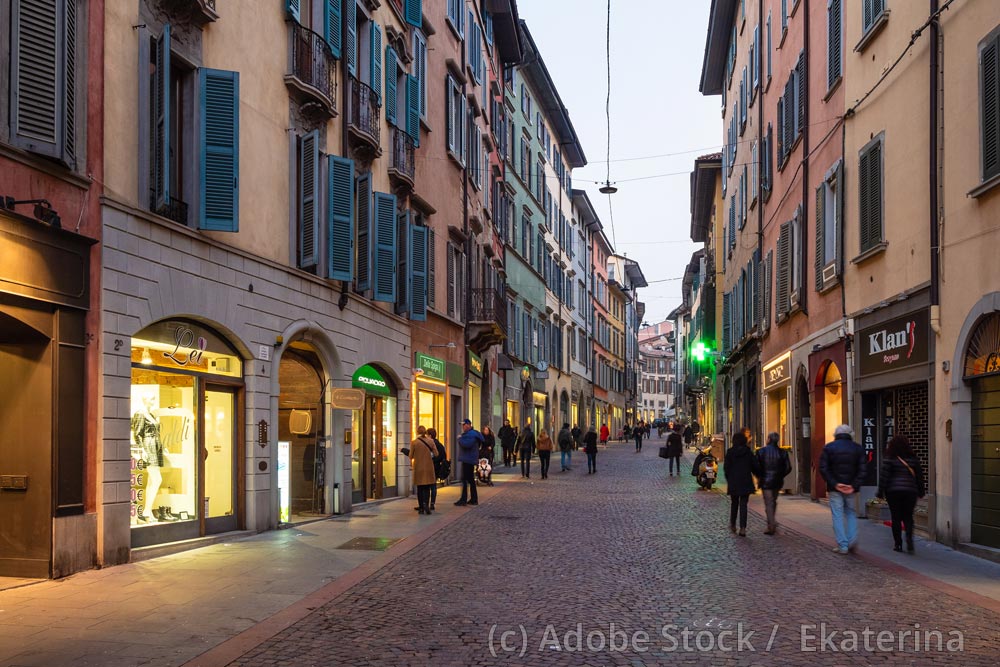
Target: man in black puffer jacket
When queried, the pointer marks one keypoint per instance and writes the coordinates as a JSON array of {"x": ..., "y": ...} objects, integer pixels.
[
  {"x": 842, "y": 464},
  {"x": 771, "y": 465}
]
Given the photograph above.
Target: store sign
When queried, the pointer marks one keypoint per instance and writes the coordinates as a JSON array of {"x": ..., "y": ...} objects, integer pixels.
[
  {"x": 347, "y": 399},
  {"x": 432, "y": 367},
  {"x": 179, "y": 344},
  {"x": 777, "y": 374},
  {"x": 898, "y": 343},
  {"x": 475, "y": 364},
  {"x": 370, "y": 380}
]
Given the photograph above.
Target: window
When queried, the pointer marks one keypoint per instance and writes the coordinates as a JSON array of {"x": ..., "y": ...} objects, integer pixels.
[
  {"x": 769, "y": 46},
  {"x": 989, "y": 105},
  {"x": 307, "y": 181},
  {"x": 871, "y": 13},
  {"x": 385, "y": 237},
  {"x": 525, "y": 102},
  {"x": 363, "y": 232},
  {"x": 754, "y": 173},
  {"x": 870, "y": 194},
  {"x": 455, "y": 118},
  {"x": 755, "y": 60},
  {"x": 420, "y": 69},
  {"x": 828, "y": 221},
  {"x": 834, "y": 39},
  {"x": 455, "y": 16},
  {"x": 783, "y": 271},
  {"x": 474, "y": 155},
  {"x": 456, "y": 281},
  {"x": 767, "y": 162},
  {"x": 784, "y": 17}
]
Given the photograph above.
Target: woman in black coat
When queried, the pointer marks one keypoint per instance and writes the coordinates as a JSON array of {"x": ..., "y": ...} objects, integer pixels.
[
  {"x": 738, "y": 468},
  {"x": 901, "y": 482}
]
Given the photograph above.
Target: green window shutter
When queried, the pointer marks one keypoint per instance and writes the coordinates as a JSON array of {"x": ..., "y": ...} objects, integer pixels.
[
  {"x": 161, "y": 113},
  {"x": 384, "y": 266},
  {"x": 331, "y": 25},
  {"x": 375, "y": 53},
  {"x": 418, "y": 272},
  {"x": 309, "y": 200},
  {"x": 38, "y": 75},
  {"x": 413, "y": 108},
  {"x": 989, "y": 65},
  {"x": 820, "y": 234},
  {"x": 340, "y": 218},
  {"x": 350, "y": 14},
  {"x": 294, "y": 9},
  {"x": 220, "y": 150},
  {"x": 834, "y": 39},
  {"x": 364, "y": 222},
  {"x": 403, "y": 246},
  {"x": 784, "y": 269},
  {"x": 390, "y": 85},
  {"x": 413, "y": 12}
]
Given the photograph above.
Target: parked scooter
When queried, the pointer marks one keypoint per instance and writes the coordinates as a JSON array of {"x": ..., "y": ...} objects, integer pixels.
[{"x": 705, "y": 468}]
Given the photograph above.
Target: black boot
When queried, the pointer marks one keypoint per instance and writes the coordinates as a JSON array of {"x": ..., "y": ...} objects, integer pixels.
[{"x": 909, "y": 544}]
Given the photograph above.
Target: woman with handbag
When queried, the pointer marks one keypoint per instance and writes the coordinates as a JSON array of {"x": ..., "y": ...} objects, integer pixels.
[
  {"x": 544, "y": 452},
  {"x": 901, "y": 482},
  {"x": 442, "y": 466},
  {"x": 422, "y": 453}
]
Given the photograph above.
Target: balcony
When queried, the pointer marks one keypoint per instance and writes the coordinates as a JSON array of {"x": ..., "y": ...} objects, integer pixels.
[
  {"x": 488, "y": 320},
  {"x": 313, "y": 78},
  {"x": 173, "y": 209},
  {"x": 402, "y": 166},
  {"x": 200, "y": 12},
  {"x": 363, "y": 119}
]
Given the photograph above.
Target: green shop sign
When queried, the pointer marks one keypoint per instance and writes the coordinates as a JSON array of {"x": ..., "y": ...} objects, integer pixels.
[
  {"x": 475, "y": 364},
  {"x": 432, "y": 367},
  {"x": 370, "y": 380}
]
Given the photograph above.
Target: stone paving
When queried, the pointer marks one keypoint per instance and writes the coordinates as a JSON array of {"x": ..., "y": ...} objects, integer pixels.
[{"x": 574, "y": 569}]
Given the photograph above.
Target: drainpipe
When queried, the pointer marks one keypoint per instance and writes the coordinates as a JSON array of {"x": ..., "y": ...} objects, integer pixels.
[
  {"x": 932, "y": 172},
  {"x": 803, "y": 245},
  {"x": 468, "y": 243}
]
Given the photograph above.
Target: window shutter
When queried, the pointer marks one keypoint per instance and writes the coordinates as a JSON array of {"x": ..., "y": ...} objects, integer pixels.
[
  {"x": 781, "y": 130},
  {"x": 784, "y": 269},
  {"x": 870, "y": 183},
  {"x": 757, "y": 301},
  {"x": 331, "y": 25},
  {"x": 449, "y": 103},
  {"x": 309, "y": 200},
  {"x": 820, "y": 234},
  {"x": 413, "y": 108},
  {"x": 726, "y": 323},
  {"x": 833, "y": 43},
  {"x": 418, "y": 272},
  {"x": 790, "y": 107},
  {"x": 413, "y": 12},
  {"x": 384, "y": 267},
  {"x": 801, "y": 90},
  {"x": 768, "y": 286},
  {"x": 838, "y": 220},
  {"x": 867, "y": 13},
  {"x": 69, "y": 101},
  {"x": 404, "y": 248},
  {"x": 37, "y": 70},
  {"x": 732, "y": 222},
  {"x": 351, "y": 36},
  {"x": 294, "y": 8},
  {"x": 451, "y": 280},
  {"x": 431, "y": 268},
  {"x": 161, "y": 111},
  {"x": 340, "y": 218},
  {"x": 375, "y": 54},
  {"x": 364, "y": 257},
  {"x": 220, "y": 150},
  {"x": 990, "y": 72},
  {"x": 390, "y": 85}
]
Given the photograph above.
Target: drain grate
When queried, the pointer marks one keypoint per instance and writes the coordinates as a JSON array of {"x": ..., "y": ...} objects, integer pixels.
[{"x": 369, "y": 543}]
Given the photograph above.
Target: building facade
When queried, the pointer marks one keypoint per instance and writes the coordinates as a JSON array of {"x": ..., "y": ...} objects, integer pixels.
[{"x": 656, "y": 359}]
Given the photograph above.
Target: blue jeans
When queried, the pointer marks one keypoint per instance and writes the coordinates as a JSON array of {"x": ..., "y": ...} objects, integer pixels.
[
  {"x": 565, "y": 459},
  {"x": 841, "y": 506},
  {"x": 591, "y": 462}
]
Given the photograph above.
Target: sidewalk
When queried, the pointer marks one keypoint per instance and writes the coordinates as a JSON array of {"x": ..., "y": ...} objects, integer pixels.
[
  {"x": 166, "y": 611},
  {"x": 972, "y": 579}
]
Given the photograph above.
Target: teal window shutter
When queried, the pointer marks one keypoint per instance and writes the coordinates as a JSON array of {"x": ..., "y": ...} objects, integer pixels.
[
  {"x": 413, "y": 108},
  {"x": 351, "y": 36},
  {"x": 161, "y": 114},
  {"x": 413, "y": 12},
  {"x": 390, "y": 85},
  {"x": 220, "y": 150},
  {"x": 385, "y": 247},
  {"x": 309, "y": 200},
  {"x": 364, "y": 254},
  {"x": 375, "y": 52},
  {"x": 403, "y": 242},
  {"x": 340, "y": 218},
  {"x": 418, "y": 273},
  {"x": 331, "y": 25},
  {"x": 294, "y": 9}
]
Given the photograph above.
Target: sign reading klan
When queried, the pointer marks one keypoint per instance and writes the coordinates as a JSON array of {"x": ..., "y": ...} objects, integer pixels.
[{"x": 898, "y": 343}]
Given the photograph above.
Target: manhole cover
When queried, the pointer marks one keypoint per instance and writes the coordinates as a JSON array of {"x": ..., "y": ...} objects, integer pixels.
[{"x": 370, "y": 543}]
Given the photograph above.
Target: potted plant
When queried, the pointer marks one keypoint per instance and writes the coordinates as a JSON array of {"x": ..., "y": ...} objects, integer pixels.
[{"x": 877, "y": 510}]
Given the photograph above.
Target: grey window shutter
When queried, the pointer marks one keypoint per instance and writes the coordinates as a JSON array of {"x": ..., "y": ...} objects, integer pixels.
[
  {"x": 757, "y": 300},
  {"x": 790, "y": 107},
  {"x": 784, "y": 269},
  {"x": 990, "y": 77},
  {"x": 364, "y": 224},
  {"x": 867, "y": 14},
  {"x": 801, "y": 91},
  {"x": 69, "y": 89},
  {"x": 838, "y": 234},
  {"x": 820, "y": 234},
  {"x": 452, "y": 285},
  {"x": 781, "y": 130},
  {"x": 870, "y": 182},
  {"x": 309, "y": 200},
  {"x": 431, "y": 268},
  {"x": 340, "y": 218},
  {"x": 726, "y": 323},
  {"x": 160, "y": 154},
  {"x": 834, "y": 39},
  {"x": 768, "y": 287}
]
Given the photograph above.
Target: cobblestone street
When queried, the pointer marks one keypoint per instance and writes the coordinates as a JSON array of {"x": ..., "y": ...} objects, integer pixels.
[{"x": 640, "y": 552}]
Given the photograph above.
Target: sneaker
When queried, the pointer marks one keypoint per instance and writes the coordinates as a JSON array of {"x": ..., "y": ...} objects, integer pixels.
[
  {"x": 841, "y": 551},
  {"x": 461, "y": 503},
  {"x": 472, "y": 502}
]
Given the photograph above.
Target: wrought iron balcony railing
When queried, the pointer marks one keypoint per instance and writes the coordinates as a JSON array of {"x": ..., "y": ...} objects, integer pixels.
[
  {"x": 362, "y": 111},
  {"x": 173, "y": 209},
  {"x": 403, "y": 155},
  {"x": 313, "y": 64},
  {"x": 488, "y": 305}
]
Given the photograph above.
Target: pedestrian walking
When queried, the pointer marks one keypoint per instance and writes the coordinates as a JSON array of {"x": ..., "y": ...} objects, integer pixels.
[
  {"x": 526, "y": 447},
  {"x": 422, "y": 453},
  {"x": 605, "y": 434},
  {"x": 489, "y": 444},
  {"x": 637, "y": 434},
  {"x": 688, "y": 435},
  {"x": 590, "y": 448},
  {"x": 468, "y": 455},
  {"x": 544, "y": 447},
  {"x": 901, "y": 482},
  {"x": 771, "y": 465},
  {"x": 565, "y": 442},
  {"x": 577, "y": 435},
  {"x": 442, "y": 466},
  {"x": 842, "y": 464},
  {"x": 508, "y": 438},
  {"x": 738, "y": 467},
  {"x": 674, "y": 450}
]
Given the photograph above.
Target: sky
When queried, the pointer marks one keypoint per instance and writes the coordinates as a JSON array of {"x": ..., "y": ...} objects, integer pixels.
[{"x": 656, "y": 109}]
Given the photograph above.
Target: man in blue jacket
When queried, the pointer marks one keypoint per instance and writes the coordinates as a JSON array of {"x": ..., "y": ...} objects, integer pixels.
[
  {"x": 468, "y": 456},
  {"x": 843, "y": 465}
]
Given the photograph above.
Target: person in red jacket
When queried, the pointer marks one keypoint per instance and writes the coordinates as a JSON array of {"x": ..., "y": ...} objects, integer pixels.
[{"x": 605, "y": 434}]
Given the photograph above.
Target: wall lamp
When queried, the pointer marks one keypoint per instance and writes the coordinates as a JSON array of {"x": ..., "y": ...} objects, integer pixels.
[{"x": 43, "y": 209}]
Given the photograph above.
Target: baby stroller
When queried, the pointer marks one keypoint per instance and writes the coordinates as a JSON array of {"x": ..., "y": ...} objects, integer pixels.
[{"x": 484, "y": 472}]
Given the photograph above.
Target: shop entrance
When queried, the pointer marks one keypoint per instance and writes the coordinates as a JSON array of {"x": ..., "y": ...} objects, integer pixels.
[
  {"x": 218, "y": 472},
  {"x": 301, "y": 435},
  {"x": 373, "y": 463},
  {"x": 986, "y": 461}
]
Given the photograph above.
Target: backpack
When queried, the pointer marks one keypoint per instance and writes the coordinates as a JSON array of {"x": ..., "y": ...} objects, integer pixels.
[{"x": 443, "y": 469}]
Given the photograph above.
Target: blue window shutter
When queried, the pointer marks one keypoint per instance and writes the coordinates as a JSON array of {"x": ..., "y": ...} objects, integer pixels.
[
  {"x": 364, "y": 254},
  {"x": 418, "y": 273},
  {"x": 161, "y": 112},
  {"x": 294, "y": 8},
  {"x": 413, "y": 12},
  {"x": 350, "y": 14},
  {"x": 220, "y": 150},
  {"x": 331, "y": 24},
  {"x": 340, "y": 218},
  {"x": 385, "y": 247},
  {"x": 390, "y": 85},
  {"x": 375, "y": 52},
  {"x": 309, "y": 200},
  {"x": 413, "y": 108}
]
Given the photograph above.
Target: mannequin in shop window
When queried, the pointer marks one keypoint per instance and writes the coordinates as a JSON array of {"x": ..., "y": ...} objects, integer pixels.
[{"x": 146, "y": 436}]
